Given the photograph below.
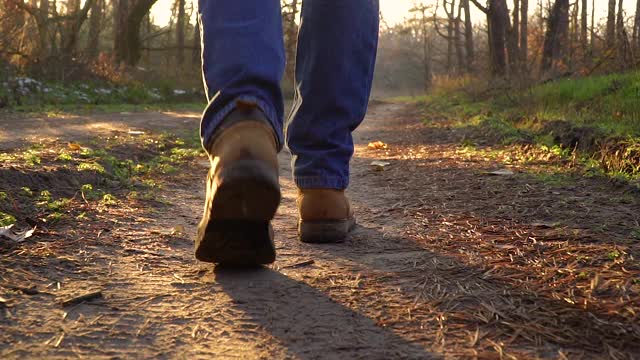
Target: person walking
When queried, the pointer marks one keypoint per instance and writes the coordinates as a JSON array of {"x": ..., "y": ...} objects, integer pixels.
[{"x": 243, "y": 61}]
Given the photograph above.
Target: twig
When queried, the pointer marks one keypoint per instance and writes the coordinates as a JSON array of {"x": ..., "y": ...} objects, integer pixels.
[
  {"x": 26, "y": 290},
  {"x": 82, "y": 298},
  {"x": 301, "y": 264}
]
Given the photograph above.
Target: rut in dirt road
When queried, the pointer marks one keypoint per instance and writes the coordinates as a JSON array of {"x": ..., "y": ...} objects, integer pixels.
[{"x": 448, "y": 260}]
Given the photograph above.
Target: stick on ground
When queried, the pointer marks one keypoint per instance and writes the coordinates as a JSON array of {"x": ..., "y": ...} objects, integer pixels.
[{"x": 82, "y": 298}]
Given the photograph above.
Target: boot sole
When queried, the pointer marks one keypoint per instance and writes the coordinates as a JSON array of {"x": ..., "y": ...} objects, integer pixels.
[
  {"x": 236, "y": 229},
  {"x": 325, "y": 232}
]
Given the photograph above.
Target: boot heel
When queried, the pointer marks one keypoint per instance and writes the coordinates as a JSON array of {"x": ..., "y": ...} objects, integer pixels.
[
  {"x": 235, "y": 229},
  {"x": 236, "y": 243},
  {"x": 324, "y": 232},
  {"x": 247, "y": 190}
]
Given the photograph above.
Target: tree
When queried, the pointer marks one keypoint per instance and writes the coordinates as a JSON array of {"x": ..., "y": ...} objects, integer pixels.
[
  {"x": 584, "y": 40},
  {"x": 468, "y": 36},
  {"x": 41, "y": 17},
  {"x": 498, "y": 22},
  {"x": 636, "y": 27},
  {"x": 180, "y": 28},
  {"x": 610, "y": 39},
  {"x": 76, "y": 17},
  {"x": 556, "y": 37},
  {"x": 513, "y": 38},
  {"x": 290, "y": 12},
  {"x": 95, "y": 28},
  {"x": 524, "y": 34},
  {"x": 620, "y": 21},
  {"x": 129, "y": 16},
  {"x": 422, "y": 28},
  {"x": 453, "y": 34},
  {"x": 197, "y": 43}
]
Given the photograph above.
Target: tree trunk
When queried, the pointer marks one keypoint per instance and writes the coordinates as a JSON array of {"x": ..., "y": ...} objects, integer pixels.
[
  {"x": 120, "y": 11},
  {"x": 42, "y": 21},
  {"x": 95, "y": 28},
  {"x": 73, "y": 26},
  {"x": 574, "y": 34},
  {"x": 584, "y": 40},
  {"x": 458, "y": 41},
  {"x": 449, "y": 37},
  {"x": 180, "y": 25},
  {"x": 620, "y": 22},
  {"x": 512, "y": 39},
  {"x": 636, "y": 27},
  {"x": 516, "y": 21},
  {"x": 70, "y": 35},
  {"x": 426, "y": 52},
  {"x": 498, "y": 28},
  {"x": 593, "y": 28},
  {"x": 610, "y": 38},
  {"x": 498, "y": 23},
  {"x": 197, "y": 44},
  {"x": 291, "y": 33},
  {"x": 524, "y": 35},
  {"x": 127, "y": 47},
  {"x": 556, "y": 37},
  {"x": 468, "y": 36}
]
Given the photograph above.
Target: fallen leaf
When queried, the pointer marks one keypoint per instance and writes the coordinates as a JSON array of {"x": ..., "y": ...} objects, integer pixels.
[
  {"x": 505, "y": 246},
  {"x": 377, "y": 145},
  {"x": 17, "y": 237},
  {"x": 59, "y": 341},
  {"x": 22, "y": 236},
  {"x": 178, "y": 229},
  {"x": 545, "y": 224},
  {"x": 502, "y": 172},
  {"x": 82, "y": 298},
  {"x": 379, "y": 165},
  {"x": 4, "y": 230},
  {"x": 74, "y": 146}
]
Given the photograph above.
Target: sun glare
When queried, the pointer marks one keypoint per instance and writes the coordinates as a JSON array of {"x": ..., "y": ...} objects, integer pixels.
[{"x": 393, "y": 11}]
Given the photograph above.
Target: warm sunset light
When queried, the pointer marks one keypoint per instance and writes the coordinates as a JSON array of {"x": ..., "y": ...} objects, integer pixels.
[
  {"x": 320, "y": 179},
  {"x": 394, "y": 11}
]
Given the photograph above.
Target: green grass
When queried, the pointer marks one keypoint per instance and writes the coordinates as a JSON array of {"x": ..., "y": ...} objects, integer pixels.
[
  {"x": 608, "y": 102},
  {"x": 6, "y": 219},
  {"x": 122, "y": 167},
  {"x": 82, "y": 109},
  {"x": 605, "y": 108}
]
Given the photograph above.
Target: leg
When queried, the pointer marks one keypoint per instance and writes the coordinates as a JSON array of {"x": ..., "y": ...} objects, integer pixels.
[
  {"x": 242, "y": 59},
  {"x": 241, "y": 129},
  {"x": 335, "y": 61}
]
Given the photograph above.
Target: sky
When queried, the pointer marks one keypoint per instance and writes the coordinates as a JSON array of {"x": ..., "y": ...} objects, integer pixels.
[{"x": 394, "y": 11}]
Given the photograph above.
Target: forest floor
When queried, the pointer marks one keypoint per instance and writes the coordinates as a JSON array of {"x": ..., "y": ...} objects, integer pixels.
[{"x": 461, "y": 252}]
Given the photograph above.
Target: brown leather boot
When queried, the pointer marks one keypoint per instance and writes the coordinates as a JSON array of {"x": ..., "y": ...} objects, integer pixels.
[
  {"x": 325, "y": 216},
  {"x": 243, "y": 193}
]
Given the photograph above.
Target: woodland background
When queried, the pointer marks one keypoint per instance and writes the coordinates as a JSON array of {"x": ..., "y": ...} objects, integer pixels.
[{"x": 117, "y": 41}]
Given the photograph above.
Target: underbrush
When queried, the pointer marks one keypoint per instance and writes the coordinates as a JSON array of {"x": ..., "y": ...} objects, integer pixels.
[
  {"x": 49, "y": 184},
  {"x": 26, "y": 94},
  {"x": 593, "y": 120}
]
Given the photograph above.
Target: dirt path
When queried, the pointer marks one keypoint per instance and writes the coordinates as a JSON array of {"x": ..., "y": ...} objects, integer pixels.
[{"x": 448, "y": 261}]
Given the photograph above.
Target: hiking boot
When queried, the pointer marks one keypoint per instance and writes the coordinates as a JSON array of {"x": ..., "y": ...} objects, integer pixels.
[
  {"x": 325, "y": 216},
  {"x": 243, "y": 193}
]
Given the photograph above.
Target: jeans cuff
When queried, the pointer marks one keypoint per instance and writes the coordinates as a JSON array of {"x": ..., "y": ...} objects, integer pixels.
[
  {"x": 322, "y": 182},
  {"x": 211, "y": 123}
]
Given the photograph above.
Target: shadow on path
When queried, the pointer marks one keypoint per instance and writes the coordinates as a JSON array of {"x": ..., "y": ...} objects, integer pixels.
[{"x": 309, "y": 323}]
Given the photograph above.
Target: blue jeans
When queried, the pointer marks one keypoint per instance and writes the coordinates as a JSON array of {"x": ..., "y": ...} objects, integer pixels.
[{"x": 243, "y": 58}]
